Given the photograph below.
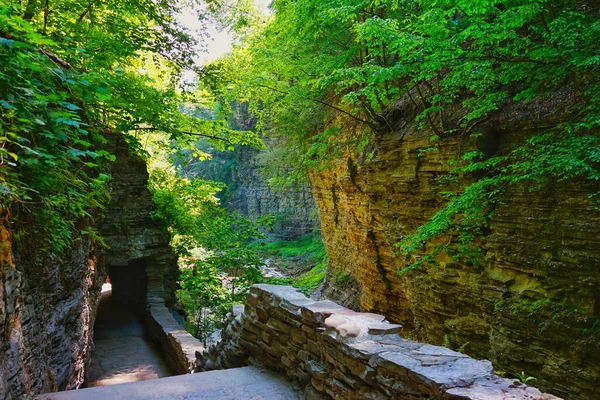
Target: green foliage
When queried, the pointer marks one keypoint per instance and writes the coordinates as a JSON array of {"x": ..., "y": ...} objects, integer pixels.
[
  {"x": 219, "y": 266},
  {"x": 311, "y": 279},
  {"x": 309, "y": 245},
  {"x": 342, "y": 277},
  {"x": 318, "y": 66},
  {"x": 523, "y": 378},
  {"x": 52, "y": 173},
  {"x": 309, "y": 249},
  {"x": 204, "y": 298},
  {"x": 73, "y": 72}
]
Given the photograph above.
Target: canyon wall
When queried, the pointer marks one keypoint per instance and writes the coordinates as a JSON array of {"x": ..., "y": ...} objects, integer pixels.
[
  {"x": 47, "y": 312},
  {"x": 251, "y": 195},
  {"x": 532, "y": 305},
  {"x": 139, "y": 258},
  {"x": 46, "y": 318},
  {"x": 246, "y": 172}
]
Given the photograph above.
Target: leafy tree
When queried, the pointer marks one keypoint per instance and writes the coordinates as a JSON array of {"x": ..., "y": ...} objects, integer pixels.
[
  {"x": 218, "y": 266},
  {"x": 204, "y": 299},
  {"x": 73, "y": 72},
  {"x": 320, "y": 66}
]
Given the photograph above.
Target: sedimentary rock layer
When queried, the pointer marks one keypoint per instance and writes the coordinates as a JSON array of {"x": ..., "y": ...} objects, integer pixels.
[
  {"x": 530, "y": 305},
  {"x": 46, "y": 319},
  {"x": 250, "y": 193},
  {"x": 134, "y": 239}
]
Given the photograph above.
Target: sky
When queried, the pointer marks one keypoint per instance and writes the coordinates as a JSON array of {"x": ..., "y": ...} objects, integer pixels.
[{"x": 220, "y": 41}]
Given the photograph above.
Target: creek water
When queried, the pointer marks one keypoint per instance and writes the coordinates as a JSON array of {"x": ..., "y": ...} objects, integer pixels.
[{"x": 123, "y": 352}]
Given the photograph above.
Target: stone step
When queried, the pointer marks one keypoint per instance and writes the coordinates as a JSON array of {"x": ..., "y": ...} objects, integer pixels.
[{"x": 233, "y": 384}]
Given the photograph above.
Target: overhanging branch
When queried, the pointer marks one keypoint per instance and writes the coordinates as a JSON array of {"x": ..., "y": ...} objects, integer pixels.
[
  {"x": 323, "y": 103},
  {"x": 205, "y": 135}
]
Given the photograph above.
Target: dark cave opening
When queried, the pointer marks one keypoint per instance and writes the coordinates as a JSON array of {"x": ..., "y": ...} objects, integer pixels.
[
  {"x": 123, "y": 350},
  {"x": 129, "y": 285}
]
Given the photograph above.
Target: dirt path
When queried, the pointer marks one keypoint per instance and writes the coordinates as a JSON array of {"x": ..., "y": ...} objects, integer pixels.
[{"x": 122, "y": 351}]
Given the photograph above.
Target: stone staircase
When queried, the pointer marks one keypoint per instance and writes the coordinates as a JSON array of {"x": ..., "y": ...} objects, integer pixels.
[{"x": 231, "y": 384}]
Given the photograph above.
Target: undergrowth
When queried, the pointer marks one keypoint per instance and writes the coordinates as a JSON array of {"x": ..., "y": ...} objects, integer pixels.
[{"x": 311, "y": 253}]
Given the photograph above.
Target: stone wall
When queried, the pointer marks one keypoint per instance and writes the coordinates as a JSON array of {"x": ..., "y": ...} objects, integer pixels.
[
  {"x": 332, "y": 352},
  {"x": 46, "y": 319},
  {"x": 530, "y": 306},
  {"x": 178, "y": 347}
]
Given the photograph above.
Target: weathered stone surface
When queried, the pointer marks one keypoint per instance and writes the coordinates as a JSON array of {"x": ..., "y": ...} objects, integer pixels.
[
  {"x": 232, "y": 384},
  {"x": 541, "y": 246},
  {"x": 177, "y": 345},
  {"x": 132, "y": 236},
  {"x": 384, "y": 329},
  {"x": 330, "y": 363},
  {"x": 46, "y": 318}
]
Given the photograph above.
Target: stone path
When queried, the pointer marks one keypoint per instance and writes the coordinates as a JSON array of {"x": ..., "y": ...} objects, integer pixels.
[
  {"x": 232, "y": 384},
  {"x": 123, "y": 352}
]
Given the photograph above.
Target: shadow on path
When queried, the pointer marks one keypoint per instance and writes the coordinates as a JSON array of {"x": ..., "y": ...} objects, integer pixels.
[{"x": 123, "y": 352}]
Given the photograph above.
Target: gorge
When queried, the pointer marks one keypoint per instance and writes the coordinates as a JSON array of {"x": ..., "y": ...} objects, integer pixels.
[{"x": 366, "y": 199}]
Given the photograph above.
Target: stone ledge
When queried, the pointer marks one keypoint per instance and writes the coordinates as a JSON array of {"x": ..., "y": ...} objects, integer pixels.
[
  {"x": 336, "y": 353},
  {"x": 178, "y": 346}
]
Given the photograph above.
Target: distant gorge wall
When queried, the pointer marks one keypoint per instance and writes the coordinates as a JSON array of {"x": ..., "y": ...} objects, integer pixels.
[
  {"x": 532, "y": 304},
  {"x": 251, "y": 195},
  {"x": 332, "y": 352}
]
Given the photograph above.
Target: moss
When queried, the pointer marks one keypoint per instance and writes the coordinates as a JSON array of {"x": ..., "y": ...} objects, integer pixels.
[
  {"x": 311, "y": 279},
  {"x": 311, "y": 251},
  {"x": 341, "y": 277},
  {"x": 309, "y": 245}
]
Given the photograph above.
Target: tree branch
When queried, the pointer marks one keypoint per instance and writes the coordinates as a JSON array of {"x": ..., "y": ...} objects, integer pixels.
[
  {"x": 321, "y": 102},
  {"x": 187, "y": 133},
  {"x": 55, "y": 58},
  {"x": 84, "y": 12}
]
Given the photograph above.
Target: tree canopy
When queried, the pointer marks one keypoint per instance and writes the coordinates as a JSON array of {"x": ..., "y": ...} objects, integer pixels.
[
  {"x": 71, "y": 73},
  {"x": 317, "y": 66}
]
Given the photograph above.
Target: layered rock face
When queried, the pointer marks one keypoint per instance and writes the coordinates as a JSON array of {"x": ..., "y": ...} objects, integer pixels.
[
  {"x": 139, "y": 257},
  {"x": 251, "y": 195},
  {"x": 47, "y": 313},
  {"x": 531, "y": 305},
  {"x": 46, "y": 319}
]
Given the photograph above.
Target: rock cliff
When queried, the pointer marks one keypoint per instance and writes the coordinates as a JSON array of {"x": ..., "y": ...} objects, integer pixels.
[
  {"x": 532, "y": 306},
  {"x": 46, "y": 318},
  {"x": 251, "y": 195},
  {"x": 47, "y": 312},
  {"x": 139, "y": 256}
]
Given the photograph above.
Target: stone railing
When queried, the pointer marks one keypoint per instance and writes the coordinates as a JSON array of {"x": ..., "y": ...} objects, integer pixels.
[
  {"x": 333, "y": 352},
  {"x": 176, "y": 344}
]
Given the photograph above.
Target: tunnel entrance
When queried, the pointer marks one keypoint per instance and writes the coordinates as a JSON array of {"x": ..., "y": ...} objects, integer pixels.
[
  {"x": 123, "y": 351},
  {"x": 129, "y": 284}
]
